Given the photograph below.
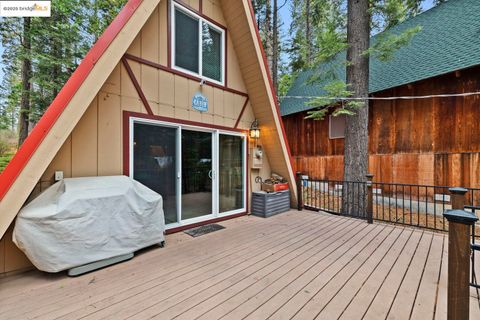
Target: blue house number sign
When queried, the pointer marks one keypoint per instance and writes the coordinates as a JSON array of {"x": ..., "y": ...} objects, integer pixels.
[{"x": 200, "y": 102}]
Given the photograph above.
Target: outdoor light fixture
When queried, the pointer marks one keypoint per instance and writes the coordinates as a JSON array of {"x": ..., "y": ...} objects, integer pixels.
[{"x": 254, "y": 130}]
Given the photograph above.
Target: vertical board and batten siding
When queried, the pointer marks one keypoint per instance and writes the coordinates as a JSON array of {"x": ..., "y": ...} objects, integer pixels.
[
  {"x": 95, "y": 148},
  {"x": 100, "y": 151},
  {"x": 12, "y": 259},
  {"x": 424, "y": 141},
  {"x": 250, "y": 57}
]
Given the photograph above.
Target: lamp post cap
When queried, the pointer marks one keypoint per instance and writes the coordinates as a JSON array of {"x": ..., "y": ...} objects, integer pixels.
[
  {"x": 460, "y": 216},
  {"x": 458, "y": 190}
]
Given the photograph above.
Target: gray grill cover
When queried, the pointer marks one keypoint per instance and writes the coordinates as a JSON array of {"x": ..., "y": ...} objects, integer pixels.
[{"x": 82, "y": 220}]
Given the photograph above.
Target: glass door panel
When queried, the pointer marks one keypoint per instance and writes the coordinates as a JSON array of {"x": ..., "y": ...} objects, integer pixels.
[
  {"x": 231, "y": 173},
  {"x": 197, "y": 174},
  {"x": 154, "y": 163}
]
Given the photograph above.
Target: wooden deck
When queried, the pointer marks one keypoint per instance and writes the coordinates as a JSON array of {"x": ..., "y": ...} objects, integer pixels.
[{"x": 298, "y": 265}]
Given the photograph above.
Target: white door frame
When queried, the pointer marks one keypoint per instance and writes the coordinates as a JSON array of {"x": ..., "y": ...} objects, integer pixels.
[{"x": 215, "y": 167}]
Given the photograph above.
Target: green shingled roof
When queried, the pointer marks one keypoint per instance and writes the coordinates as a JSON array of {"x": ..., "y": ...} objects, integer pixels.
[{"x": 449, "y": 41}]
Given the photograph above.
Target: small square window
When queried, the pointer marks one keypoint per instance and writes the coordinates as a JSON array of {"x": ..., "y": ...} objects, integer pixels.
[
  {"x": 336, "y": 127},
  {"x": 186, "y": 41}
]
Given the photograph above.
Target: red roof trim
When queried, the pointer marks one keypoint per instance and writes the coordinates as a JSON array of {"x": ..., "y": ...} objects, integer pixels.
[
  {"x": 39, "y": 132},
  {"x": 252, "y": 13}
]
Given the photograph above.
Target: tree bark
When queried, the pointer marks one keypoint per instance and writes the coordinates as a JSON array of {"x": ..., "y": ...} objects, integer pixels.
[
  {"x": 308, "y": 33},
  {"x": 356, "y": 131},
  {"x": 26, "y": 84},
  {"x": 57, "y": 55},
  {"x": 268, "y": 33},
  {"x": 275, "y": 47}
]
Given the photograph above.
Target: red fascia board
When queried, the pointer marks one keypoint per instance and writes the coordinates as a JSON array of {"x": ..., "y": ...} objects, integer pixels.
[
  {"x": 252, "y": 13},
  {"x": 41, "y": 129}
]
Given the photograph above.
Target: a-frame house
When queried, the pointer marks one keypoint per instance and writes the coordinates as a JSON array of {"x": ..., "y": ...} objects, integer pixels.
[{"x": 132, "y": 107}]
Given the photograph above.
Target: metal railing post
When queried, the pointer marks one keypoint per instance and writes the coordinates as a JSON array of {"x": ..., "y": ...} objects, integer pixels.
[
  {"x": 460, "y": 223},
  {"x": 369, "y": 198},
  {"x": 299, "y": 191}
]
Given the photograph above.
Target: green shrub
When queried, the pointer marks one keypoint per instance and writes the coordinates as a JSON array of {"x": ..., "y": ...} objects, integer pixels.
[
  {"x": 4, "y": 148},
  {"x": 4, "y": 160},
  {"x": 9, "y": 136},
  {"x": 8, "y": 141}
]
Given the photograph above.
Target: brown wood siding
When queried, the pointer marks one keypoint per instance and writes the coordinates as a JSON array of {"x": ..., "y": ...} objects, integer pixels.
[{"x": 423, "y": 141}]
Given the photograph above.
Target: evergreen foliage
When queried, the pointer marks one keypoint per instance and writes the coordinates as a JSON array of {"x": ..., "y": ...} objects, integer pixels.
[
  {"x": 57, "y": 45},
  {"x": 40, "y": 54},
  {"x": 331, "y": 40}
]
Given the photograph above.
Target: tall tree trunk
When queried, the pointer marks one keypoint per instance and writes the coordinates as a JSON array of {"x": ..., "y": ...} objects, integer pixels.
[
  {"x": 26, "y": 85},
  {"x": 268, "y": 32},
  {"x": 275, "y": 47},
  {"x": 57, "y": 55},
  {"x": 308, "y": 33},
  {"x": 356, "y": 132}
]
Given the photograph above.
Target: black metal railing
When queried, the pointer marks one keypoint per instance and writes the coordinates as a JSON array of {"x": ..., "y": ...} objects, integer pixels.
[
  {"x": 337, "y": 197},
  {"x": 475, "y": 247},
  {"x": 407, "y": 204}
]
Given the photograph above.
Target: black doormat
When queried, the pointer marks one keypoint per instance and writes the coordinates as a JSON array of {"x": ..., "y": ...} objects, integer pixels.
[{"x": 199, "y": 231}]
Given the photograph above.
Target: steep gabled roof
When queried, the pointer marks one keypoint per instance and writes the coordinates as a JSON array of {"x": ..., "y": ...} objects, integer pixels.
[
  {"x": 449, "y": 41},
  {"x": 24, "y": 171}
]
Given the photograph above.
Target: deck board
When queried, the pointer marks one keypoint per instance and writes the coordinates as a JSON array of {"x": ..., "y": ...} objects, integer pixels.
[
  {"x": 405, "y": 298},
  {"x": 338, "y": 304},
  {"x": 297, "y": 265},
  {"x": 146, "y": 278},
  {"x": 154, "y": 295},
  {"x": 326, "y": 267},
  {"x": 321, "y": 305},
  {"x": 359, "y": 304},
  {"x": 426, "y": 295},
  {"x": 247, "y": 304}
]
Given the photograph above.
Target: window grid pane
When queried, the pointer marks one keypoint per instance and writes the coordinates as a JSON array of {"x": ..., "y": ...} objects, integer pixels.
[
  {"x": 186, "y": 41},
  {"x": 211, "y": 52}
]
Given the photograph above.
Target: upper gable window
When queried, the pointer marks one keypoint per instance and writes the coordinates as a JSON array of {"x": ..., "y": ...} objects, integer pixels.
[{"x": 198, "y": 45}]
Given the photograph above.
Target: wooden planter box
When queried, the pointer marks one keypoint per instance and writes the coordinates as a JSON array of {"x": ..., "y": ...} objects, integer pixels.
[{"x": 274, "y": 187}]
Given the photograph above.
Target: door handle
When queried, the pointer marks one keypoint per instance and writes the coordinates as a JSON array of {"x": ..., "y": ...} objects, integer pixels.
[{"x": 210, "y": 174}]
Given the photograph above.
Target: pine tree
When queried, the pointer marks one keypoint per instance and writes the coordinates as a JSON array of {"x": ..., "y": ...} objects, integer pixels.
[
  {"x": 362, "y": 19},
  {"x": 268, "y": 21},
  {"x": 39, "y": 60},
  {"x": 356, "y": 130},
  {"x": 26, "y": 75},
  {"x": 10, "y": 89}
]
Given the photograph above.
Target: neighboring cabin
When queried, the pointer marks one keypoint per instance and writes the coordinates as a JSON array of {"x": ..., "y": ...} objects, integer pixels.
[
  {"x": 128, "y": 109},
  {"x": 429, "y": 141}
]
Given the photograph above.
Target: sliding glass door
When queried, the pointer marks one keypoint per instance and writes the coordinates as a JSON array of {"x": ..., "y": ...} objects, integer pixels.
[
  {"x": 200, "y": 172},
  {"x": 197, "y": 174},
  {"x": 155, "y": 163},
  {"x": 231, "y": 173}
]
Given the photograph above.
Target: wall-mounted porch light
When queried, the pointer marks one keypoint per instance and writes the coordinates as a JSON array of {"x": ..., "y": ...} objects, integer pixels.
[{"x": 254, "y": 130}]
